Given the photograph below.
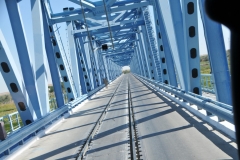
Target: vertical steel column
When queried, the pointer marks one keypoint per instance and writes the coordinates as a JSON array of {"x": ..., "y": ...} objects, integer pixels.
[
  {"x": 97, "y": 67},
  {"x": 180, "y": 58},
  {"x": 102, "y": 67},
  {"x": 84, "y": 64},
  {"x": 190, "y": 24},
  {"x": 114, "y": 70},
  {"x": 217, "y": 54},
  {"x": 23, "y": 53},
  {"x": 73, "y": 58},
  {"x": 89, "y": 68},
  {"x": 109, "y": 68},
  {"x": 139, "y": 61},
  {"x": 39, "y": 55},
  {"x": 161, "y": 49},
  {"x": 94, "y": 72},
  {"x": 167, "y": 50},
  {"x": 15, "y": 83},
  {"x": 148, "y": 31},
  {"x": 142, "y": 59},
  {"x": 62, "y": 62},
  {"x": 105, "y": 62},
  {"x": 51, "y": 61},
  {"x": 148, "y": 55},
  {"x": 60, "y": 56},
  {"x": 144, "y": 55},
  {"x": 137, "y": 64},
  {"x": 80, "y": 71}
]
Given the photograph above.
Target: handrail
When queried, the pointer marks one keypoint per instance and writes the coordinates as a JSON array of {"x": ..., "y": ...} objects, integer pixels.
[
  {"x": 33, "y": 128},
  {"x": 211, "y": 106},
  {"x": 207, "y": 83}
]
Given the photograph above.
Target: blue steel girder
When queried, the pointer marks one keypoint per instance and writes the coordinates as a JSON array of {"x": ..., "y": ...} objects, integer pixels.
[
  {"x": 116, "y": 26},
  {"x": 118, "y": 53},
  {"x": 77, "y": 15}
]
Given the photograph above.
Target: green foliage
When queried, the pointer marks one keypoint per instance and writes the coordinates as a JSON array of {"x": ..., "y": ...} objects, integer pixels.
[
  {"x": 125, "y": 71},
  {"x": 50, "y": 89},
  {"x": 205, "y": 67},
  {"x": 7, "y": 109},
  {"x": 205, "y": 64},
  {"x": 5, "y": 99}
]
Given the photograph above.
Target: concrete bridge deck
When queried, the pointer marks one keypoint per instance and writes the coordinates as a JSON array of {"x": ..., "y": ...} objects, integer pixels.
[{"x": 165, "y": 129}]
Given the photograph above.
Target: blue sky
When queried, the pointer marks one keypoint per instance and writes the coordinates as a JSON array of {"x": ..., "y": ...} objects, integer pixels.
[{"x": 25, "y": 10}]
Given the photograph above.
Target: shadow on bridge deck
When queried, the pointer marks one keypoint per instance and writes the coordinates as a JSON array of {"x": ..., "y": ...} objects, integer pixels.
[{"x": 165, "y": 130}]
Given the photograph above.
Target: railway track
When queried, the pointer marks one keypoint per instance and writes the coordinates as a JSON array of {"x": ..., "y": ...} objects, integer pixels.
[
  {"x": 134, "y": 145},
  {"x": 133, "y": 139}
]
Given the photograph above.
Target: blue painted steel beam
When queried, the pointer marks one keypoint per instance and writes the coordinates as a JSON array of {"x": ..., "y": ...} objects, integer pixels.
[
  {"x": 84, "y": 65},
  {"x": 99, "y": 10},
  {"x": 143, "y": 50},
  {"x": 217, "y": 56},
  {"x": 81, "y": 66},
  {"x": 101, "y": 30},
  {"x": 39, "y": 57},
  {"x": 14, "y": 83},
  {"x": 148, "y": 31},
  {"x": 52, "y": 64},
  {"x": 179, "y": 58},
  {"x": 148, "y": 54},
  {"x": 160, "y": 47},
  {"x": 73, "y": 58},
  {"x": 167, "y": 48},
  {"x": 23, "y": 54},
  {"x": 190, "y": 25}
]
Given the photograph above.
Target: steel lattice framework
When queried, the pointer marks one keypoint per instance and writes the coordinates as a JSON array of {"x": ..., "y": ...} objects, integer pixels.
[{"x": 104, "y": 36}]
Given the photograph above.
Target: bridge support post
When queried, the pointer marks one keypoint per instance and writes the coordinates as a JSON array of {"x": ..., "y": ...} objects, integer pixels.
[
  {"x": 40, "y": 57},
  {"x": 23, "y": 55},
  {"x": 73, "y": 58},
  {"x": 139, "y": 61},
  {"x": 142, "y": 59},
  {"x": 80, "y": 69},
  {"x": 15, "y": 83},
  {"x": 84, "y": 66},
  {"x": 105, "y": 62},
  {"x": 51, "y": 61},
  {"x": 145, "y": 55},
  {"x": 167, "y": 49},
  {"x": 150, "y": 43},
  {"x": 190, "y": 24},
  {"x": 217, "y": 57},
  {"x": 180, "y": 57},
  {"x": 160, "y": 46},
  {"x": 103, "y": 71}
]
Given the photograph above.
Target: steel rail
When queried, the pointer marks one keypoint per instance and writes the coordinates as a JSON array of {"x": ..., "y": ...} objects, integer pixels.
[
  {"x": 86, "y": 144},
  {"x": 134, "y": 142},
  {"x": 131, "y": 125}
]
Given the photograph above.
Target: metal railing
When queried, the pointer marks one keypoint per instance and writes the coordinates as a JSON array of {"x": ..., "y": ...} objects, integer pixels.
[
  {"x": 19, "y": 137},
  {"x": 12, "y": 122},
  {"x": 223, "y": 111},
  {"x": 207, "y": 83}
]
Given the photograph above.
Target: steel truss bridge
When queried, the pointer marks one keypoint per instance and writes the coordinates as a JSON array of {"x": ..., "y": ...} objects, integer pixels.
[{"x": 157, "y": 111}]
